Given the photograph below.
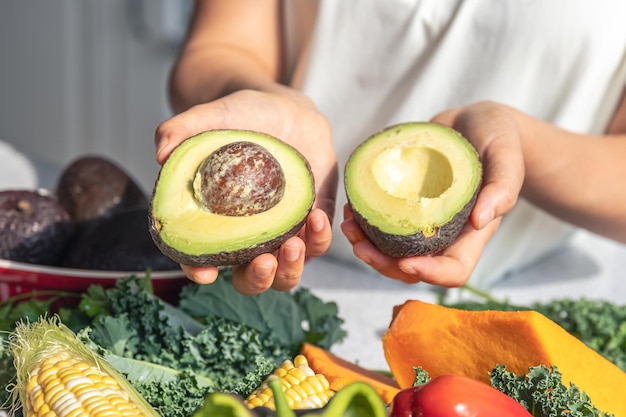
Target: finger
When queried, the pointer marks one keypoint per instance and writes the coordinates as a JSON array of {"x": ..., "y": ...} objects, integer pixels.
[
  {"x": 255, "y": 277},
  {"x": 503, "y": 179},
  {"x": 493, "y": 130},
  {"x": 166, "y": 141},
  {"x": 350, "y": 228},
  {"x": 494, "y": 201},
  {"x": 317, "y": 233},
  {"x": 366, "y": 251},
  {"x": 347, "y": 212},
  {"x": 447, "y": 117},
  {"x": 204, "y": 275},
  {"x": 450, "y": 268},
  {"x": 191, "y": 122},
  {"x": 327, "y": 191},
  {"x": 453, "y": 266},
  {"x": 290, "y": 264},
  {"x": 384, "y": 264}
]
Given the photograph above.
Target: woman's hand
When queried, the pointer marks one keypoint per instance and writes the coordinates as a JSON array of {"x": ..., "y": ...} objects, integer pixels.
[
  {"x": 496, "y": 133},
  {"x": 291, "y": 117}
]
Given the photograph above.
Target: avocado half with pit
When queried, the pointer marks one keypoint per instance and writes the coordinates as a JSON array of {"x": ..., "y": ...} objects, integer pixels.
[
  {"x": 412, "y": 186},
  {"x": 224, "y": 197}
]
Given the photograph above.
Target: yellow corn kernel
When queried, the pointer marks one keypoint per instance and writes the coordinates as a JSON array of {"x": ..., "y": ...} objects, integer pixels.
[
  {"x": 58, "y": 376},
  {"x": 71, "y": 387},
  {"x": 255, "y": 402},
  {"x": 301, "y": 392},
  {"x": 301, "y": 360},
  {"x": 303, "y": 388}
]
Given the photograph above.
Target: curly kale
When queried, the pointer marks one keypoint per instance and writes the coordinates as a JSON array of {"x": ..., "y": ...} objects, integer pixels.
[
  {"x": 542, "y": 392},
  {"x": 226, "y": 351},
  {"x": 175, "y": 398},
  {"x": 215, "y": 340},
  {"x": 288, "y": 317}
]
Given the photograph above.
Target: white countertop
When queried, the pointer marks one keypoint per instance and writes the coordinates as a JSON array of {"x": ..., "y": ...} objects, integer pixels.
[{"x": 590, "y": 267}]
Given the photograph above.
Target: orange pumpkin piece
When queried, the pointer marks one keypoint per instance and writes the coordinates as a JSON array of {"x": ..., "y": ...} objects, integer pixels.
[
  {"x": 340, "y": 372},
  {"x": 445, "y": 340}
]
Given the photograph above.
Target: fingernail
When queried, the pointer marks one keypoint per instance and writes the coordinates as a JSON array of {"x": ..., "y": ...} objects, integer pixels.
[
  {"x": 349, "y": 231},
  {"x": 292, "y": 253},
  {"x": 407, "y": 269},
  {"x": 161, "y": 146},
  {"x": 203, "y": 277},
  {"x": 317, "y": 223},
  {"x": 365, "y": 258},
  {"x": 485, "y": 217},
  {"x": 263, "y": 271}
]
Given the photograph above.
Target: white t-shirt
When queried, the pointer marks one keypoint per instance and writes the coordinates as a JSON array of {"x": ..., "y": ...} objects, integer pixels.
[{"x": 369, "y": 64}]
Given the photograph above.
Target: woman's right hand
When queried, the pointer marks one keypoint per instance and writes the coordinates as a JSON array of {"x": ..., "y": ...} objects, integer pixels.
[{"x": 290, "y": 116}]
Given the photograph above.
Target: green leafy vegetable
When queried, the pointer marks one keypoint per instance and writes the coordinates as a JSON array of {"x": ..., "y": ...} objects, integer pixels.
[
  {"x": 215, "y": 340},
  {"x": 542, "y": 392},
  {"x": 272, "y": 312}
]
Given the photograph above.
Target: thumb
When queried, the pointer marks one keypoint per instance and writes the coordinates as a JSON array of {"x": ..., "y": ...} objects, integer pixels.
[
  {"x": 447, "y": 117},
  {"x": 167, "y": 137}
]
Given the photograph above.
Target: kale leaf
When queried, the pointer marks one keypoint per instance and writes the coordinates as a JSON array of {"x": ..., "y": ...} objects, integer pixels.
[
  {"x": 215, "y": 339},
  {"x": 543, "y": 393},
  {"x": 291, "y": 318}
]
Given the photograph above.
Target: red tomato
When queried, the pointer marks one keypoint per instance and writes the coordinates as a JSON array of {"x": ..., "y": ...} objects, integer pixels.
[{"x": 455, "y": 396}]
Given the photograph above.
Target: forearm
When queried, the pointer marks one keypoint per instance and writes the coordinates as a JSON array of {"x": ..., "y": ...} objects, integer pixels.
[
  {"x": 578, "y": 178},
  {"x": 231, "y": 45},
  {"x": 206, "y": 74}
]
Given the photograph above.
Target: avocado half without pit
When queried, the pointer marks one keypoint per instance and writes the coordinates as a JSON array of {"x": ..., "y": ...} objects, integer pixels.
[
  {"x": 412, "y": 186},
  {"x": 224, "y": 197}
]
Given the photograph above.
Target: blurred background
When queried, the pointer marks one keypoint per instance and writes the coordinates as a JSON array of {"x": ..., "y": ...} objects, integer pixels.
[{"x": 87, "y": 77}]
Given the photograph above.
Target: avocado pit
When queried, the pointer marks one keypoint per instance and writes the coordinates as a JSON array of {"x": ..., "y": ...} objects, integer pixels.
[{"x": 239, "y": 179}]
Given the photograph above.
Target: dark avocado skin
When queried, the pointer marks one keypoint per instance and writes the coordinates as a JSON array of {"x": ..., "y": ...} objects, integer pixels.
[
  {"x": 237, "y": 257},
  {"x": 119, "y": 242},
  {"x": 92, "y": 187},
  {"x": 34, "y": 228},
  {"x": 417, "y": 244}
]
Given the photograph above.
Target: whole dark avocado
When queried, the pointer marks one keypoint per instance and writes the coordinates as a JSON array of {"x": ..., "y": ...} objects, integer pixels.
[
  {"x": 224, "y": 197},
  {"x": 93, "y": 186},
  {"x": 119, "y": 242},
  {"x": 412, "y": 187},
  {"x": 34, "y": 228}
]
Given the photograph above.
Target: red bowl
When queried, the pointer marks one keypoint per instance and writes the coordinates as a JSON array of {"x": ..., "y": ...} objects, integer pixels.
[{"x": 20, "y": 278}]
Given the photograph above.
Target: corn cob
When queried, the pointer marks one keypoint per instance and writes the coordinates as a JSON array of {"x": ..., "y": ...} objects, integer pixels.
[
  {"x": 57, "y": 375},
  {"x": 303, "y": 388}
]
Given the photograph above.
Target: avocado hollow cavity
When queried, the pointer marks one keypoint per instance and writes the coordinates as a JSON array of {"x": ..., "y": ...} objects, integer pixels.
[
  {"x": 412, "y": 172},
  {"x": 412, "y": 187},
  {"x": 232, "y": 228}
]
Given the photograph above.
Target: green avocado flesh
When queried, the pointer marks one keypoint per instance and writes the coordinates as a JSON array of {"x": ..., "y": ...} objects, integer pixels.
[
  {"x": 412, "y": 186},
  {"x": 186, "y": 231}
]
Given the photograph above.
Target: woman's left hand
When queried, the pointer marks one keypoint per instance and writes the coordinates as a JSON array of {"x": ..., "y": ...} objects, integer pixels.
[{"x": 496, "y": 132}]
